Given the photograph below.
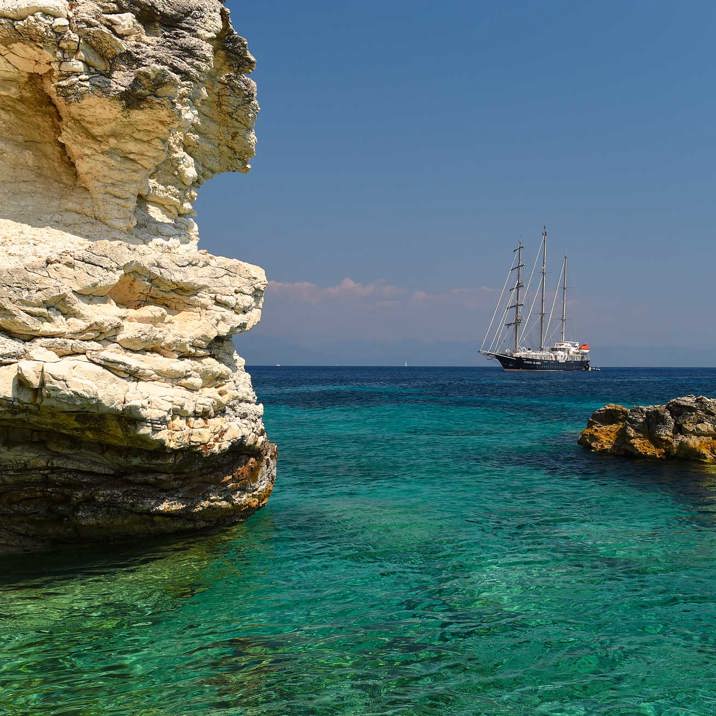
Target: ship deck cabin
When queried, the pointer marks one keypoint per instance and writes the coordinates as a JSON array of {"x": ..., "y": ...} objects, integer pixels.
[{"x": 560, "y": 351}]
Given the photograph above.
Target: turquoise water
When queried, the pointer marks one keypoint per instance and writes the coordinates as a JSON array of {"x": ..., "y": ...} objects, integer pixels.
[{"x": 436, "y": 544}]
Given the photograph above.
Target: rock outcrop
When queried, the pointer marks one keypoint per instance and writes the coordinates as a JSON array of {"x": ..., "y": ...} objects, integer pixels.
[
  {"x": 684, "y": 428},
  {"x": 124, "y": 409}
]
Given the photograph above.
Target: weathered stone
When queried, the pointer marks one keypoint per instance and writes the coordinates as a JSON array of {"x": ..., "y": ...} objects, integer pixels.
[
  {"x": 124, "y": 409},
  {"x": 124, "y": 24},
  {"x": 162, "y": 92},
  {"x": 20, "y": 9},
  {"x": 76, "y": 66},
  {"x": 61, "y": 24},
  {"x": 684, "y": 428}
]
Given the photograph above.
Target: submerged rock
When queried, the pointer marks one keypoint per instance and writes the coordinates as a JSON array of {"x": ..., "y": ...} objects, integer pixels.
[
  {"x": 124, "y": 409},
  {"x": 684, "y": 428}
]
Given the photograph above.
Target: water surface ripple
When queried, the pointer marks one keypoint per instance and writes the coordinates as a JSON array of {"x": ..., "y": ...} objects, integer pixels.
[{"x": 436, "y": 544}]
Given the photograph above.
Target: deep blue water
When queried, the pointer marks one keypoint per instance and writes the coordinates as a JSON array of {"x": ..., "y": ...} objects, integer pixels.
[{"x": 437, "y": 543}]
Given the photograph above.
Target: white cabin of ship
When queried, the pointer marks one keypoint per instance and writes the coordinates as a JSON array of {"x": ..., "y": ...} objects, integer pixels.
[{"x": 560, "y": 352}]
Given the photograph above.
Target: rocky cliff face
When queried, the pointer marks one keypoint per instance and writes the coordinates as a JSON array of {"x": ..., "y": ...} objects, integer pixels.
[
  {"x": 684, "y": 428},
  {"x": 124, "y": 409}
]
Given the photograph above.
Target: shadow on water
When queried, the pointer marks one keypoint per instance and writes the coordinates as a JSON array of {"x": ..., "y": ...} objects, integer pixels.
[
  {"x": 692, "y": 484},
  {"x": 113, "y": 629},
  {"x": 157, "y": 556}
]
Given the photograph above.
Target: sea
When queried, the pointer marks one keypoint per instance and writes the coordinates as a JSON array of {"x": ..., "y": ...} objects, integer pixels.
[{"x": 437, "y": 543}]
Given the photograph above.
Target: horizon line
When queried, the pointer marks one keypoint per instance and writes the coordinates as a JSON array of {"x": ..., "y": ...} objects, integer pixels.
[{"x": 476, "y": 367}]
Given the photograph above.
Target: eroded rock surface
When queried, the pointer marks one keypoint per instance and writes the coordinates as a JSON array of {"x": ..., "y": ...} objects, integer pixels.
[
  {"x": 684, "y": 428},
  {"x": 124, "y": 409}
]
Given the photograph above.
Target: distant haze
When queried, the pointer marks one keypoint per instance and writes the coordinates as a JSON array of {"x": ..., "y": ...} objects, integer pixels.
[{"x": 405, "y": 147}]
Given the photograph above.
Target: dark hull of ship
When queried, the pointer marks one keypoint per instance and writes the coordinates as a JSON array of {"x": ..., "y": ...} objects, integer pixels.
[{"x": 519, "y": 363}]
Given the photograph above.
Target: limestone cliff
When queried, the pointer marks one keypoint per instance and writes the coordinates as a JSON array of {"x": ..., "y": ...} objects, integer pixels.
[
  {"x": 123, "y": 407},
  {"x": 684, "y": 428}
]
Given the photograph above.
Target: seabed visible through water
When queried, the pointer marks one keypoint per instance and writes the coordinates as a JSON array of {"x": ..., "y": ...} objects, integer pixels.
[{"x": 437, "y": 543}]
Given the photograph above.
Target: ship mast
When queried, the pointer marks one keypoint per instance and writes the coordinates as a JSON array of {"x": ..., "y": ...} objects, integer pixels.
[
  {"x": 517, "y": 305},
  {"x": 564, "y": 299},
  {"x": 544, "y": 280}
]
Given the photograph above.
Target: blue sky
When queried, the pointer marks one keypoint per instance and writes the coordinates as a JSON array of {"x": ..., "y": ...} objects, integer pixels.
[{"x": 404, "y": 147}]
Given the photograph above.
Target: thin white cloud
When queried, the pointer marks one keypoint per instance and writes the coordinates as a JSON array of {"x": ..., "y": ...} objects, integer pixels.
[
  {"x": 377, "y": 315},
  {"x": 347, "y": 288},
  {"x": 308, "y": 292},
  {"x": 375, "y": 311}
]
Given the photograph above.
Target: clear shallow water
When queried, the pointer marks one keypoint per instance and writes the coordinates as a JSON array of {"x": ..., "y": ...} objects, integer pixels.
[{"x": 436, "y": 544}]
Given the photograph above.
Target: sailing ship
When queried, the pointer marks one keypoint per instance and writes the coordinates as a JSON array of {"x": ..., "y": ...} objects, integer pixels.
[{"x": 509, "y": 348}]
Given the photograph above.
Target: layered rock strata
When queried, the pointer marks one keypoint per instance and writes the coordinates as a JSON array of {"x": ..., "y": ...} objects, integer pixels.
[
  {"x": 684, "y": 428},
  {"x": 124, "y": 409}
]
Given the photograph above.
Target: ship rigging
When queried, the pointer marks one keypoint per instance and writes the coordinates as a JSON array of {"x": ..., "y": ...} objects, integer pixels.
[{"x": 509, "y": 348}]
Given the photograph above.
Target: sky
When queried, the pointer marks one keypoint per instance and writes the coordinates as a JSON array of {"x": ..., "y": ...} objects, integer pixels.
[{"x": 405, "y": 147}]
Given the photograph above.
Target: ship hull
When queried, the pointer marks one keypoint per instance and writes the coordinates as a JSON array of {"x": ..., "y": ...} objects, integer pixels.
[{"x": 519, "y": 363}]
